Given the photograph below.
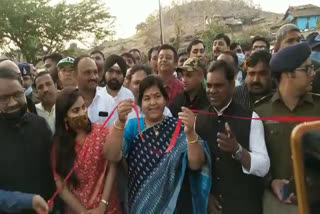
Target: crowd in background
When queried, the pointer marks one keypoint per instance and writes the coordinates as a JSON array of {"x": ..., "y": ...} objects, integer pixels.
[{"x": 175, "y": 141}]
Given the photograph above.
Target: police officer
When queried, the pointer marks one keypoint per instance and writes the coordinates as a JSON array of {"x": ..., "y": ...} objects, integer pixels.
[{"x": 294, "y": 73}]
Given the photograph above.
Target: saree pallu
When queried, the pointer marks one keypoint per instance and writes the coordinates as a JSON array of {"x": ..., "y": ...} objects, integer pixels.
[
  {"x": 91, "y": 173},
  {"x": 155, "y": 179}
]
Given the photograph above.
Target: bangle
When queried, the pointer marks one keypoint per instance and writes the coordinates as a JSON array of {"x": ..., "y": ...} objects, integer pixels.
[
  {"x": 117, "y": 127},
  {"x": 106, "y": 203},
  {"x": 193, "y": 141}
]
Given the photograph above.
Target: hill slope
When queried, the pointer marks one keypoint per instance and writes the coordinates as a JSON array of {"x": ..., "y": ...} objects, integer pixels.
[{"x": 190, "y": 19}]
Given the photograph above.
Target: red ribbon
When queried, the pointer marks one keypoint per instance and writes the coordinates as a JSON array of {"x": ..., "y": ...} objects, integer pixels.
[
  {"x": 173, "y": 139},
  {"x": 275, "y": 119},
  {"x": 177, "y": 131}
]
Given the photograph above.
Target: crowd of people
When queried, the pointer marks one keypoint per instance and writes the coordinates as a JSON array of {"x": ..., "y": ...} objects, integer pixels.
[{"x": 178, "y": 132}]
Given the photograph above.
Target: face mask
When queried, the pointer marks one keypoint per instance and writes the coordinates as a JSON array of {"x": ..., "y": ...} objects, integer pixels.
[
  {"x": 240, "y": 58},
  {"x": 15, "y": 117},
  {"x": 79, "y": 123},
  {"x": 315, "y": 56}
]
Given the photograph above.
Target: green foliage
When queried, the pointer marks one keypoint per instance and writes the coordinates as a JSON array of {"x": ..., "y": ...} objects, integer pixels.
[
  {"x": 318, "y": 24},
  {"x": 212, "y": 30},
  {"x": 37, "y": 28}
]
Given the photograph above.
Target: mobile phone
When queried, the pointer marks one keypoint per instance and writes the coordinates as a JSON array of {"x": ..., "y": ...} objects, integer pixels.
[{"x": 285, "y": 191}]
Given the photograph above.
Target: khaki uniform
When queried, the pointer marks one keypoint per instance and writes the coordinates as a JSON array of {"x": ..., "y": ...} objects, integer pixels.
[{"x": 278, "y": 142}]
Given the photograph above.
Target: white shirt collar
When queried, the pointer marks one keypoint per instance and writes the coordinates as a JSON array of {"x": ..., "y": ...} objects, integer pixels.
[
  {"x": 39, "y": 106},
  {"x": 219, "y": 113}
]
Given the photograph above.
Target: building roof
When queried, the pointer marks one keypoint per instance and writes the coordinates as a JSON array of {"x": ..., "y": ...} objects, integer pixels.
[{"x": 303, "y": 10}]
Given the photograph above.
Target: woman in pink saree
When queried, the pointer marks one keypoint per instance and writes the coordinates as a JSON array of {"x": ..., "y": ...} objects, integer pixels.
[{"x": 78, "y": 143}]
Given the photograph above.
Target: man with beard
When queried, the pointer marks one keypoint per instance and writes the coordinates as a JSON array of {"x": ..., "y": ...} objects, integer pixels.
[
  {"x": 98, "y": 57},
  {"x": 220, "y": 44},
  {"x": 294, "y": 73},
  {"x": 66, "y": 76},
  {"x": 24, "y": 156},
  {"x": 8, "y": 64},
  {"x": 116, "y": 68},
  {"x": 98, "y": 102},
  {"x": 47, "y": 93},
  {"x": 238, "y": 150},
  {"x": 258, "y": 81}
]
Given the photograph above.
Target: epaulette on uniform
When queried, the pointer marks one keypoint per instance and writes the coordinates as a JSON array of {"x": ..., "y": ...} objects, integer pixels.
[{"x": 263, "y": 100}]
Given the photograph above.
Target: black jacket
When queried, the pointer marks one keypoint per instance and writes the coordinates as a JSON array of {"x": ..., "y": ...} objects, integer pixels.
[
  {"x": 183, "y": 99},
  {"x": 25, "y": 157}
]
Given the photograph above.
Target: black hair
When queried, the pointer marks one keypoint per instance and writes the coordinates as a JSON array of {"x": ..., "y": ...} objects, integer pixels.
[
  {"x": 192, "y": 43},
  {"x": 77, "y": 60},
  {"x": 151, "y": 50},
  {"x": 134, "y": 50},
  {"x": 55, "y": 57},
  {"x": 259, "y": 56},
  {"x": 97, "y": 52},
  {"x": 9, "y": 74},
  {"x": 234, "y": 57},
  {"x": 260, "y": 38},
  {"x": 181, "y": 53},
  {"x": 129, "y": 55},
  {"x": 147, "y": 70},
  {"x": 64, "y": 138},
  {"x": 39, "y": 75},
  {"x": 169, "y": 47},
  {"x": 224, "y": 37},
  {"x": 221, "y": 65},
  {"x": 149, "y": 82},
  {"x": 234, "y": 45}
]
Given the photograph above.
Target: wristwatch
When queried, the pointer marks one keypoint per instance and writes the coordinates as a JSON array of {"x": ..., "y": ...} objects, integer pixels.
[{"x": 238, "y": 154}]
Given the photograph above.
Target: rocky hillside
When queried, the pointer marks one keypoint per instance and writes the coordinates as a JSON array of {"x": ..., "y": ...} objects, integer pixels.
[{"x": 190, "y": 19}]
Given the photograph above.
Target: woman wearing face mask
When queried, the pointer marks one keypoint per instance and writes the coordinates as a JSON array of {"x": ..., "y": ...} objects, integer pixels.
[
  {"x": 76, "y": 140},
  {"x": 176, "y": 182}
]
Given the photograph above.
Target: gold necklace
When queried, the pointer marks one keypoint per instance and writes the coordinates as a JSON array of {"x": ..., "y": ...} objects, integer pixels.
[{"x": 156, "y": 130}]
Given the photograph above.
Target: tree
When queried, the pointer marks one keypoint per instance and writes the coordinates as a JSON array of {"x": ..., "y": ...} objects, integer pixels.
[{"x": 37, "y": 27}]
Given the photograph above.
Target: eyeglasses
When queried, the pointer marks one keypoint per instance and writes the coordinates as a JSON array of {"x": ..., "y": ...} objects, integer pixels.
[
  {"x": 5, "y": 99},
  {"x": 309, "y": 69}
]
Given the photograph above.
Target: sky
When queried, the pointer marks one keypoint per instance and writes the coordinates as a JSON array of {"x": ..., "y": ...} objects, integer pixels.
[{"x": 129, "y": 13}]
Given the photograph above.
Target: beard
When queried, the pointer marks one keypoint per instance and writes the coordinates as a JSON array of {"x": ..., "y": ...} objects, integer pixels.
[
  {"x": 114, "y": 84},
  {"x": 13, "y": 118}
]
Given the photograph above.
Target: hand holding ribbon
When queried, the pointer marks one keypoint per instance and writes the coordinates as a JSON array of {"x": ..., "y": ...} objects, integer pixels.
[
  {"x": 187, "y": 117},
  {"x": 124, "y": 108}
]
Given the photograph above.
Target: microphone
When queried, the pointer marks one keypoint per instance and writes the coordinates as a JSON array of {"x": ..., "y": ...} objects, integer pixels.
[{"x": 103, "y": 114}]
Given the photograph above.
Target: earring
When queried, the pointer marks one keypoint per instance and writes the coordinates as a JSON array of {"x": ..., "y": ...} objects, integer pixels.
[{"x": 66, "y": 126}]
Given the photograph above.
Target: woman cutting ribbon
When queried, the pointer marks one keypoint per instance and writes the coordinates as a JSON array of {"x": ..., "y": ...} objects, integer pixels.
[
  {"x": 78, "y": 146},
  {"x": 160, "y": 181}
]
